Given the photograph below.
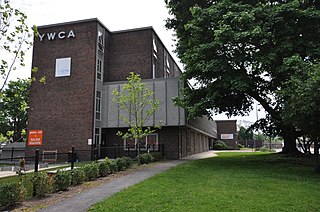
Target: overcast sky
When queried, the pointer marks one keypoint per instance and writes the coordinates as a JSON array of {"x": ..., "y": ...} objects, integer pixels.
[{"x": 114, "y": 14}]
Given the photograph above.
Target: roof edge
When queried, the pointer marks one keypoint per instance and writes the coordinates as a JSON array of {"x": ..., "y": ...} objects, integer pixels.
[{"x": 73, "y": 22}]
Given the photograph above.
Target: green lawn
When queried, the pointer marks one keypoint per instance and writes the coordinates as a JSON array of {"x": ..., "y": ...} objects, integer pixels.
[{"x": 229, "y": 182}]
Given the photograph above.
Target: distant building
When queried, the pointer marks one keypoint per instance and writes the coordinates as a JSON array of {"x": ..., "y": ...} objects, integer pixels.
[
  {"x": 227, "y": 131},
  {"x": 83, "y": 62}
]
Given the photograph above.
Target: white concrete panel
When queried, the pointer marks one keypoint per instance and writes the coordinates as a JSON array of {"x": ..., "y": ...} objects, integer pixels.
[
  {"x": 112, "y": 108},
  {"x": 160, "y": 94},
  {"x": 172, "y": 111},
  {"x": 150, "y": 121}
]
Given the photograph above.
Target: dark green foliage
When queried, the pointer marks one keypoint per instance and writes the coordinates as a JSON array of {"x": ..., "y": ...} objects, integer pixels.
[
  {"x": 220, "y": 145},
  {"x": 42, "y": 183},
  {"x": 91, "y": 171},
  {"x": 121, "y": 164},
  {"x": 146, "y": 158},
  {"x": 9, "y": 194},
  {"x": 112, "y": 165},
  {"x": 103, "y": 169},
  {"x": 62, "y": 180},
  {"x": 241, "y": 51},
  {"x": 78, "y": 176},
  {"x": 157, "y": 156},
  {"x": 128, "y": 161},
  {"x": 13, "y": 110},
  {"x": 245, "y": 134}
]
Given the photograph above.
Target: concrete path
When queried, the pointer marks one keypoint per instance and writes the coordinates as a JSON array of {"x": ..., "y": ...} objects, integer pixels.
[{"x": 85, "y": 200}]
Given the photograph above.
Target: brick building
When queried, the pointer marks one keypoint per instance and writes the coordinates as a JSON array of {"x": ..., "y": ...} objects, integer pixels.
[
  {"x": 83, "y": 62},
  {"x": 227, "y": 131}
]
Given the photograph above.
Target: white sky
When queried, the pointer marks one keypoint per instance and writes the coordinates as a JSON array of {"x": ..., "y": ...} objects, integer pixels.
[{"x": 114, "y": 14}]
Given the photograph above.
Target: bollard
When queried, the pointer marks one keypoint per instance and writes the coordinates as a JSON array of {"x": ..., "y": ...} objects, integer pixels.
[
  {"x": 12, "y": 152},
  {"x": 72, "y": 157},
  {"x": 36, "y": 166},
  {"x": 128, "y": 150}
]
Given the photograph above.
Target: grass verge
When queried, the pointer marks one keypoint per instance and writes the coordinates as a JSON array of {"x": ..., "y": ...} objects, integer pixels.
[{"x": 229, "y": 182}]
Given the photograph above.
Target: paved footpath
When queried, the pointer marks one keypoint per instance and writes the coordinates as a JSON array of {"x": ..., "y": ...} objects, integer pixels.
[{"x": 85, "y": 200}]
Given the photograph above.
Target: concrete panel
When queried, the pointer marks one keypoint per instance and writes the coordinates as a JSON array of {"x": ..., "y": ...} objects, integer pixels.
[
  {"x": 165, "y": 90},
  {"x": 150, "y": 121},
  {"x": 112, "y": 108},
  {"x": 172, "y": 111},
  {"x": 160, "y": 94}
]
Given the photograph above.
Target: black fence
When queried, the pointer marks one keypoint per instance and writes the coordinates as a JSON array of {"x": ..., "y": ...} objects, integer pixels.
[
  {"x": 77, "y": 155},
  {"x": 41, "y": 160}
]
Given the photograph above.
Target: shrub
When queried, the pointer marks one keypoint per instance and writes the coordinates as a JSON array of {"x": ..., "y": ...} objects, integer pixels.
[
  {"x": 78, "y": 176},
  {"x": 107, "y": 160},
  {"x": 42, "y": 183},
  {"x": 264, "y": 149},
  {"x": 128, "y": 161},
  {"x": 91, "y": 171},
  {"x": 240, "y": 146},
  {"x": 146, "y": 158},
  {"x": 62, "y": 180},
  {"x": 103, "y": 169},
  {"x": 113, "y": 166},
  {"x": 220, "y": 145},
  {"x": 121, "y": 164},
  {"x": 9, "y": 194},
  {"x": 157, "y": 156}
]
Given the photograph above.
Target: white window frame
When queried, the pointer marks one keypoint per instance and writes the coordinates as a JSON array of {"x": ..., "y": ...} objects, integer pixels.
[
  {"x": 125, "y": 144},
  {"x": 98, "y": 105},
  {"x": 97, "y": 136},
  {"x": 63, "y": 67},
  {"x": 145, "y": 142},
  {"x": 166, "y": 64},
  {"x": 100, "y": 41},
  {"x": 99, "y": 69}
]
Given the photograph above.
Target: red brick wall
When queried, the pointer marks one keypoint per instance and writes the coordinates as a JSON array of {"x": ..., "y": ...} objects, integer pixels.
[
  {"x": 227, "y": 127},
  {"x": 130, "y": 51},
  {"x": 63, "y": 107}
]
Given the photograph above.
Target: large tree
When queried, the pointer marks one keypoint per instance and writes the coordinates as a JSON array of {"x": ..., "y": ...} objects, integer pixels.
[
  {"x": 241, "y": 51},
  {"x": 13, "y": 110},
  {"x": 15, "y": 40},
  {"x": 302, "y": 105}
]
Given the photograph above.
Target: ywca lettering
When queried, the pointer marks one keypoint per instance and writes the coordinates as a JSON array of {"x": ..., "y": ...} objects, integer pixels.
[{"x": 60, "y": 35}]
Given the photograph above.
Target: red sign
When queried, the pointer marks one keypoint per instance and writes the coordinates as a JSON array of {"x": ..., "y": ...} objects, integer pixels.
[{"x": 35, "y": 138}]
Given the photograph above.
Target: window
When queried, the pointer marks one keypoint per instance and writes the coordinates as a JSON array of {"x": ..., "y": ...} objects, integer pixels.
[
  {"x": 154, "y": 56},
  {"x": 129, "y": 142},
  {"x": 99, "y": 69},
  {"x": 154, "y": 43},
  {"x": 63, "y": 67},
  {"x": 100, "y": 41},
  {"x": 97, "y": 136},
  {"x": 98, "y": 105},
  {"x": 152, "y": 141},
  {"x": 166, "y": 65},
  {"x": 149, "y": 142},
  {"x": 154, "y": 67}
]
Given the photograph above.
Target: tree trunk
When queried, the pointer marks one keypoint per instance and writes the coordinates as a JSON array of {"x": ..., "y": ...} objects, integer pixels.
[
  {"x": 316, "y": 157},
  {"x": 290, "y": 146},
  {"x": 138, "y": 146}
]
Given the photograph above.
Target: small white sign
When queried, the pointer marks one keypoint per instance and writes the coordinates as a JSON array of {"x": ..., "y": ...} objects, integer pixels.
[
  {"x": 227, "y": 136},
  {"x": 89, "y": 141}
]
